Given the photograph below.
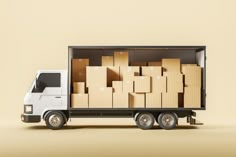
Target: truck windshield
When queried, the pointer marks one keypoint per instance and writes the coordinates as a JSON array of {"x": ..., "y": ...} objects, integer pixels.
[{"x": 46, "y": 80}]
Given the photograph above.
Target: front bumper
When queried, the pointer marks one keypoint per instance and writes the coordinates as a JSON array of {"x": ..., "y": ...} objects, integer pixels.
[{"x": 30, "y": 118}]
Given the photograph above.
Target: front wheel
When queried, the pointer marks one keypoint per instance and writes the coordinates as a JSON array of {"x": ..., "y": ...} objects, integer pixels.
[
  {"x": 55, "y": 120},
  {"x": 167, "y": 121}
]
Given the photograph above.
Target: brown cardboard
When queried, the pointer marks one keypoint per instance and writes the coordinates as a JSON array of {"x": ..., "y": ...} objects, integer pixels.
[
  {"x": 79, "y": 100},
  {"x": 142, "y": 84},
  {"x": 139, "y": 64},
  {"x": 100, "y": 97},
  {"x": 120, "y": 100},
  {"x": 192, "y": 97},
  {"x": 113, "y": 74},
  {"x": 153, "y": 100},
  {"x": 158, "y": 84},
  {"x": 170, "y": 100},
  {"x": 174, "y": 82},
  {"x": 78, "y": 69},
  {"x": 79, "y": 87},
  {"x": 128, "y": 86},
  {"x": 128, "y": 73},
  {"x": 96, "y": 76},
  {"x": 192, "y": 76},
  {"x": 154, "y": 63},
  {"x": 117, "y": 86},
  {"x": 136, "y": 100},
  {"x": 171, "y": 65},
  {"x": 184, "y": 65},
  {"x": 107, "y": 61},
  {"x": 121, "y": 58},
  {"x": 152, "y": 71}
]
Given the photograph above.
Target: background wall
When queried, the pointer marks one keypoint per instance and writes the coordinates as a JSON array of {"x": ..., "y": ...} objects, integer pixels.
[{"x": 35, "y": 35}]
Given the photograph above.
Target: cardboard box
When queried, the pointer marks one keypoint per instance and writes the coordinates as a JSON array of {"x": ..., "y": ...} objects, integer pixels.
[
  {"x": 170, "y": 100},
  {"x": 120, "y": 100},
  {"x": 117, "y": 86},
  {"x": 192, "y": 76},
  {"x": 152, "y": 71},
  {"x": 153, "y": 100},
  {"x": 154, "y": 63},
  {"x": 79, "y": 87},
  {"x": 136, "y": 100},
  {"x": 171, "y": 65},
  {"x": 78, "y": 69},
  {"x": 128, "y": 73},
  {"x": 142, "y": 84},
  {"x": 158, "y": 84},
  {"x": 139, "y": 64},
  {"x": 192, "y": 97},
  {"x": 107, "y": 61},
  {"x": 96, "y": 76},
  {"x": 184, "y": 65},
  {"x": 121, "y": 58},
  {"x": 113, "y": 74},
  {"x": 100, "y": 97},
  {"x": 128, "y": 86},
  {"x": 79, "y": 100},
  {"x": 174, "y": 82}
]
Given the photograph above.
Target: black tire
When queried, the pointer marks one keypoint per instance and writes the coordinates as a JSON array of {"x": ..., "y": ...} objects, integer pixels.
[
  {"x": 167, "y": 121},
  {"x": 145, "y": 121},
  {"x": 55, "y": 120}
]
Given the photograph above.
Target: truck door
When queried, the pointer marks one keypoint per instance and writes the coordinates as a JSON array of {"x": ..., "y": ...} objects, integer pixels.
[{"x": 49, "y": 87}]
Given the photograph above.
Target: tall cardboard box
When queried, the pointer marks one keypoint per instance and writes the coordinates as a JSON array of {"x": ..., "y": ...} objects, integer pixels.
[
  {"x": 96, "y": 76},
  {"x": 174, "y": 82},
  {"x": 171, "y": 65},
  {"x": 192, "y": 97},
  {"x": 117, "y": 86},
  {"x": 153, "y": 100},
  {"x": 136, "y": 100},
  {"x": 192, "y": 75},
  {"x": 79, "y": 100},
  {"x": 113, "y": 74},
  {"x": 138, "y": 63},
  {"x": 158, "y": 84},
  {"x": 128, "y": 73},
  {"x": 152, "y": 71},
  {"x": 78, "y": 69},
  {"x": 120, "y": 100},
  {"x": 154, "y": 63},
  {"x": 142, "y": 84},
  {"x": 170, "y": 100},
  {"x": 107, "y": 61},
  {"x": 128, "y": 86},
  {"x": 121, "y": 58},
  {"x": 100, "y": 97},
  {"x": 79, "y": 87}
]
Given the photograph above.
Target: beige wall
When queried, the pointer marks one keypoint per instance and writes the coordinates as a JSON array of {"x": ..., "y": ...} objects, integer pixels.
[{"x": 35, "y": 35}]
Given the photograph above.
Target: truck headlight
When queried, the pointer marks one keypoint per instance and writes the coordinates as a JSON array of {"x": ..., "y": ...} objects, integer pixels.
[{"x": 28, "y": 109}]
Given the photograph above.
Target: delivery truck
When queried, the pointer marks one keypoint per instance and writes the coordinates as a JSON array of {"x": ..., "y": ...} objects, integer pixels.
[{"x": 147, "y": 83}]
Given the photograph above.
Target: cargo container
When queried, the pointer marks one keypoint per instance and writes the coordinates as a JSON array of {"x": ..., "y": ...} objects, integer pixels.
[{"x": 83, "y": 92}]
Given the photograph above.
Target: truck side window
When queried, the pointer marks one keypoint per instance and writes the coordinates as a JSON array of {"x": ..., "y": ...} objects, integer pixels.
[{"x": 47, "y": 80}]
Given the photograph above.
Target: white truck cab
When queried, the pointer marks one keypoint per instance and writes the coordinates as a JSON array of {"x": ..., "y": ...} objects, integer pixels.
[{"x": 48, "y": 92}]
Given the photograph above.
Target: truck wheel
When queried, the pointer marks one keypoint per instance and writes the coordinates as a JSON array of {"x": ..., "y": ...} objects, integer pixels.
[
  {"x": 167, "y": 121},
  {"x": 145, "y": 121},
  {"x": 55, "y": 120}
]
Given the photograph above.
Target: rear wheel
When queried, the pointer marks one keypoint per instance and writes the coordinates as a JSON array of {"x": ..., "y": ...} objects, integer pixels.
[
  {"x": 145, "y": 121},
  {"x": 55, "y": 120},
  {"x": 167, "y": 121}
]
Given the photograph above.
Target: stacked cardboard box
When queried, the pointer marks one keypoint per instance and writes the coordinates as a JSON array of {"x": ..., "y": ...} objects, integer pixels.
[
  {"x": 115, "y": 84},
  {"x": 79, "y": 99},
  {"x": 192, "y": 85},
  {"x": 171, "y": 67},
  {"x": 157, "y": 85}
]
